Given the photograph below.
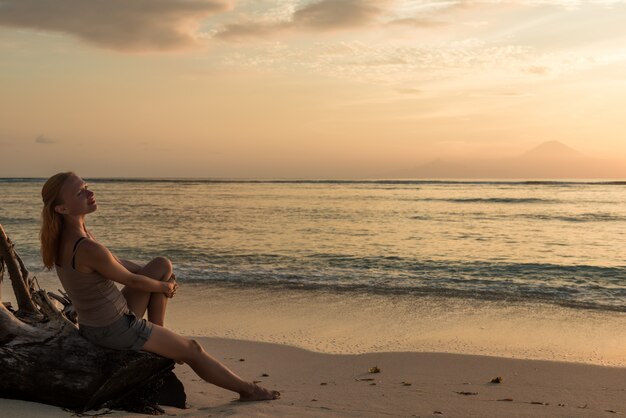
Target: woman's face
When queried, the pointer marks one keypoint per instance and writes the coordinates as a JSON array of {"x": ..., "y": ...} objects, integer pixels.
[{"x": 77, "y": 199}]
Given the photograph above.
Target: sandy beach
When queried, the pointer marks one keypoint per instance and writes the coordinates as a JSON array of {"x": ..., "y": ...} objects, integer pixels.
[
  {"x": 409, "y": 384},
  {"x": 433, "y": 362}
]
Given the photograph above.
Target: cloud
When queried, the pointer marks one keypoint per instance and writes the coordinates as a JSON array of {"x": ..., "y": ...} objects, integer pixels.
[
  {"x": 537, "y": 69},
  {"x": 430, "y": 14},
  {"x": 396, "y": 66},
  {"x": 324, "y": 15},
  {"x": 417, "y": 22},
  {"x": 327, "y": 15},
  {"x": 42, "y": 139},
  {"x": 338, "y": 14},
  {"x": 251, "y": 29},
  {"x": 126, "y": 25}
]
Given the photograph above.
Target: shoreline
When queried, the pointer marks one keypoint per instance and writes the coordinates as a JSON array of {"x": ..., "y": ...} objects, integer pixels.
[
  {"x": 333, "y": 323},
  {"x": 338, "y": 323},
  {"x": 409, "y": 384}
]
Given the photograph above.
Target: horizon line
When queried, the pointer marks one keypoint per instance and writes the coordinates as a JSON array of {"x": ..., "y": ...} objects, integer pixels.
[{"x": 343, "y": 180}]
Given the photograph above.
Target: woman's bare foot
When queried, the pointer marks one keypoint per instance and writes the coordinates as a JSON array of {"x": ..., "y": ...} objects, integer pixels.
[{"x": 257, "y": 393}]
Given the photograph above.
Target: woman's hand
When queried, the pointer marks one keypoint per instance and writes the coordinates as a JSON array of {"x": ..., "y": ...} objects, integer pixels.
[{"x": 170, "y": 288}]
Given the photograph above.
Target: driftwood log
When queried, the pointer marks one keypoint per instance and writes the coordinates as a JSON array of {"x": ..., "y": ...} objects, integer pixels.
[{"x": 44, "y": 359}]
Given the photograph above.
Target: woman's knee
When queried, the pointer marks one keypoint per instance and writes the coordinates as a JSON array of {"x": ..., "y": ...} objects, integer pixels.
[
  {"x": 164, "y": 264},
  {"x": 192, "y": 350}
]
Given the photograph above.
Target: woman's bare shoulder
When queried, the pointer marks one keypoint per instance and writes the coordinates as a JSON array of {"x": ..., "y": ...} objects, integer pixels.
[
  {"x": 94, "y": 248},
  {"x": 96, "y": 256}
]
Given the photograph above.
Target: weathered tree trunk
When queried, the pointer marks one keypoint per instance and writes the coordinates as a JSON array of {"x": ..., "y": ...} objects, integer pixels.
[
  {"x": 44, "y": 359},
  {"x": 24, "y": 302}
]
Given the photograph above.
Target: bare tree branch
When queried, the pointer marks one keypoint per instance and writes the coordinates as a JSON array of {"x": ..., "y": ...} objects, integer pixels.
[{"x": 25, "y": 304}]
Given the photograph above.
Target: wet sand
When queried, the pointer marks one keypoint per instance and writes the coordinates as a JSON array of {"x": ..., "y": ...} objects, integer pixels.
[{"x": 436, "y": 356}]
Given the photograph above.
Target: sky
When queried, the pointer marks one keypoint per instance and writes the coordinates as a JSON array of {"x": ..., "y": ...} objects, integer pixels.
[{"x": 303, "y": 89}]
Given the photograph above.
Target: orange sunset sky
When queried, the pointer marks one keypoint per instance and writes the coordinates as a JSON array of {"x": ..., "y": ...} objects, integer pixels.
[{"x": 301, "y": 89}]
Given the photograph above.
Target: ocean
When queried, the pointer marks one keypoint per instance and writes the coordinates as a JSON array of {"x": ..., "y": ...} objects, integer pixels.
[{"x": 559, "y": 243}]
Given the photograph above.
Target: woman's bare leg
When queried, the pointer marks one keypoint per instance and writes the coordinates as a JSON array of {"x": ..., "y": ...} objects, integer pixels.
[
  {"x": 139, "y": 301},
  {"x": 171, "y": 345}
]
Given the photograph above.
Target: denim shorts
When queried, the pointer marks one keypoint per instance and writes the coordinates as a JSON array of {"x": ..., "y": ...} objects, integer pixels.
[{"x": 126, "y": 333}]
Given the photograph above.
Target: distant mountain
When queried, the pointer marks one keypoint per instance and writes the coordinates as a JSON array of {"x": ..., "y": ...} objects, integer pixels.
[
  {"x": 549, "y": 160},
  {"x": 552, "y": 149}
]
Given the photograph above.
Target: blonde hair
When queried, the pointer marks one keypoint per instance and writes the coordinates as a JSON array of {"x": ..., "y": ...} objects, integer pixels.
[{"x": 51, "y": 221}]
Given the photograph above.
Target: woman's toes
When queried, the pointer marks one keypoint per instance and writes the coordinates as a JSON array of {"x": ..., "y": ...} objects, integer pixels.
[{"x": 259, "y": 394}]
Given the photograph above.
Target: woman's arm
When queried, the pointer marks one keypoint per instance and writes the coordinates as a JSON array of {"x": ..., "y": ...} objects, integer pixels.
[
  {"x": 99, "y": 258},
  {"x": 130, "y": 266},
  {"x": 134, "y": 268}
]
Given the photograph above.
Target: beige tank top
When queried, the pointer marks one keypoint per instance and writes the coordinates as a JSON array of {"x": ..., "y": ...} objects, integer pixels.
[{"x": 98, "y": 302}]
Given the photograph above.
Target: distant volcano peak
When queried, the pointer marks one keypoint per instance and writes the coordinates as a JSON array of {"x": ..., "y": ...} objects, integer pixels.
[
  {"x": 552, "y": 149},
  {"x": 547, "y": 161}
]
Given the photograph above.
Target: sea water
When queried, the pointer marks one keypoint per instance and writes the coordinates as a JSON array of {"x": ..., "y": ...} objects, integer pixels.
[{"x": 559, "y": 243}]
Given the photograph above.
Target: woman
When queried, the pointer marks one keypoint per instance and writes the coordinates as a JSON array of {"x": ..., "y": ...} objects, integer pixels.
[{"x": 107, "y": 316}]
